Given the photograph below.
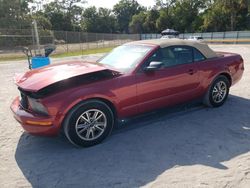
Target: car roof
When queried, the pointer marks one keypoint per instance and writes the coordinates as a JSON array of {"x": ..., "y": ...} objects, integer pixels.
[{"x": 202, "y": 47}]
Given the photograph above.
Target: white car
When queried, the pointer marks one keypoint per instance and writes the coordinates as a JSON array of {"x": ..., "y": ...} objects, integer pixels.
[
  {"x": 168, "y": 37},
  {"x": 195, "y": 38}
]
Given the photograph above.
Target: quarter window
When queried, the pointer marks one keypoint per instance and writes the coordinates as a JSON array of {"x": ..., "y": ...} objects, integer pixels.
[{"x": 198, "y": 56}]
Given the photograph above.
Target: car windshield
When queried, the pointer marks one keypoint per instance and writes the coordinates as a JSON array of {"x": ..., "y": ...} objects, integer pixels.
[{"x": 125, "y": 58}]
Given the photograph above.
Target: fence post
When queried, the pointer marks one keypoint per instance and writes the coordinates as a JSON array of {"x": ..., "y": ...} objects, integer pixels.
[
  {"x": 80, "y": 41},
  {"x": 112, "y": 39},
  {"x": 224, "y": 35},
  {"x": 97, "y": 46},
  {"x": 87, "y": 40},
  {"x": 237, "y": 37},
  {"x": 67, "y": 45},
  {"x": 103, "y": 42}
]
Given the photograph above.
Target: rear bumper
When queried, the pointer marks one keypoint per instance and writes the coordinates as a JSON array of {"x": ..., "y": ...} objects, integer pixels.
[
  {"x": 34, "y": 124},
  {"x": 237, "y": 76}
]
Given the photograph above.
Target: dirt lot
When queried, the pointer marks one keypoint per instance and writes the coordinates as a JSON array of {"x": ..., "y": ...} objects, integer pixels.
[{"x": 192, "y": 147}]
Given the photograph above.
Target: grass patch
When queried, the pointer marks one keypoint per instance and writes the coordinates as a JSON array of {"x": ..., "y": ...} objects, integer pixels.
[
  {"x": 66, "y": 54},
  {"x": 84, "y": 52},
  {"x": 12, "y": 58}
]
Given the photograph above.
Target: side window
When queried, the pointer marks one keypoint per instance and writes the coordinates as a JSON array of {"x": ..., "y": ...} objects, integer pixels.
[
  {"x": 168, "y": 57},
  {"x": 172, "y": 56},
  {"x": 198, "y": 56},
  {"x": 182, "y": 54},
  {"x": 154, "y": 57}
]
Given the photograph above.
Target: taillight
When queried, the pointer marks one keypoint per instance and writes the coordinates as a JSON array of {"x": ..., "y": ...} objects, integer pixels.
[{"x": 242, "y": 63}]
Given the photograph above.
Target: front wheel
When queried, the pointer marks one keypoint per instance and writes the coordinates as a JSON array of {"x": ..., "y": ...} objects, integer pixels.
[
  {"x": 218, "y": 92},
  {"x": 89, "y": 123}
]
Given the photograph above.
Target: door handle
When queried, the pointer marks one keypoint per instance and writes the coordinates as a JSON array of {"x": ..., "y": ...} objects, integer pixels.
[{"x": 191, "y": 71}]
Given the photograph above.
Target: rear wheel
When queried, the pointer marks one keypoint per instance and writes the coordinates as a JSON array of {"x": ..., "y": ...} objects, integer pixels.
[
  {"x": 89, "y": 123},
  {"x": 218, "y": 92}
]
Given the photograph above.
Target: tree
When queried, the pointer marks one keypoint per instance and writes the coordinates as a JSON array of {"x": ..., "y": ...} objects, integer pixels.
[
  {"x": 165, "y": 20},
  {"x": 150, "y": 22},
  {"x": 72, "y": 9},
  {"x": 64, "y": 14},
  {"x": 136, "y": 24},
  {"x": 164, "y": 3},
  {"x": 144, "y": 22},
  {"x": 124, "y": 11},
  {"x": 107, "y": 21},
  {"x": 42, "y": 21},
  {"x": 100, "y": 21},
  {"x": 186, "y": 15},
  {"x": 13, "y": 14},
  {"x": 215, "y": 19},
  {"x": 227, "y": 15},
  {"x": 232, "y": 8},
  {"x": 181, "y": 15}
]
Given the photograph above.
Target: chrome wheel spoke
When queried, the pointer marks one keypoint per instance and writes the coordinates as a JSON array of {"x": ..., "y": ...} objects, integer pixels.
[
  {"x": 215, "y": 90},
  {"x": 100, "y": 126},
  {"x": 219, "y": 92},
  {"x": 88, "y": 118},
  {"x": 91, "y": 124},
  {"x": 88, "y": 133},
  {"x": 95, "y": 115},
  {"x": 85, "y": 119},
  {"x": 219, "y": 86},
  {"x": 98, "y": 117},
  {"x": 80, "y": 126},
  {"x": 84, "y": 129}
]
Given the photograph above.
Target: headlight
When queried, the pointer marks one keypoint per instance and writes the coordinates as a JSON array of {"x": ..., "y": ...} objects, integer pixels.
[{"x": 36, "y": 106}]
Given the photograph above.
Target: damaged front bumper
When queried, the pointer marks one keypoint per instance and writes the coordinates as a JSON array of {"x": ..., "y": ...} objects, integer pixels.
[{"x": 32, "y": 123}]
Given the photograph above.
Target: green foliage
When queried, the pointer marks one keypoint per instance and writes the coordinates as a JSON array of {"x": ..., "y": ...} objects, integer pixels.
[
  {"x": 144, "y": 22},
  {"x": 13, "y": 14},
  {"x": 225, "y": 15},
  {"x": 100, "y": 21},
  {"x": 64, "y": 14},
  {"x": 42, "y": 21},
  {"x": 124, "y": 11},
  {"x": 137, "y": 23},
  {"x": 127, "y": 16}
]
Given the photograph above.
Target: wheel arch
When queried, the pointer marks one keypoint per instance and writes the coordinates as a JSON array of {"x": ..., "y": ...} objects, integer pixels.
[
  {"x": 227, "y": 75},
  {"x": 79, "y": 103},
  {"x": 107, "y": 102}
]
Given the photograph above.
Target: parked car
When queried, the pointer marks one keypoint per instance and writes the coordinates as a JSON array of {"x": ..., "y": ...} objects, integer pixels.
[
  {"x": 169, "y": 37},
  {"x": 85, "y": 99},
  {"x": 198, "y": 38}
]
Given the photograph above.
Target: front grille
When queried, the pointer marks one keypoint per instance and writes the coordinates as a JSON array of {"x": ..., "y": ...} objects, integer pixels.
[{"x": 24, "y": 101}]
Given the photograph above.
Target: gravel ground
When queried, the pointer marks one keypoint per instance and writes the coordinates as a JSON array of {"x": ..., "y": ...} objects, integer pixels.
[{"x": 191, "y": 147}]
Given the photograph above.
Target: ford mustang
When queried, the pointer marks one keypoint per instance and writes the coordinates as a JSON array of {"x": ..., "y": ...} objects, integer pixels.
[{"x": 84, "y": 99}]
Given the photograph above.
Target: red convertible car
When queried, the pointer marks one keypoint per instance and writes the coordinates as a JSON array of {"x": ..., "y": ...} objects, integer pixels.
[{"x": 85, "y": 99}]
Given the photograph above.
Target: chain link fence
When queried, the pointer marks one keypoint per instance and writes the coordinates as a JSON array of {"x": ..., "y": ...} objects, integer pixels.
[
  {"x": 12, "y": 41},
  {"x": 230, "y": 37}
]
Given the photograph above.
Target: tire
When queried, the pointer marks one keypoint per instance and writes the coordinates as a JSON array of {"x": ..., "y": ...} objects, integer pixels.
[
  {"x": 88, "y": 123},
  {"x": 220, "y": 88}
]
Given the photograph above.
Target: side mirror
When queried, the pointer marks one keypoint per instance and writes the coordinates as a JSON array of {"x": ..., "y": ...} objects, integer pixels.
[{"x": 153, "y": 66}]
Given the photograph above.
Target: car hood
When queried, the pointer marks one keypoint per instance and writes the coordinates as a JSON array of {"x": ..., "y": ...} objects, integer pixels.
[{"x": 37, "y": 79}]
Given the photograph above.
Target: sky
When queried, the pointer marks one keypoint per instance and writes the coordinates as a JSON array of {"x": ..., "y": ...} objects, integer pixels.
[
  {"x": 111, "y": 3},
  {"x": 98, "y": 3}
]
